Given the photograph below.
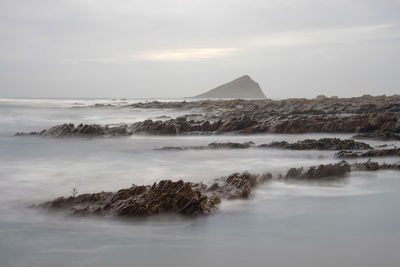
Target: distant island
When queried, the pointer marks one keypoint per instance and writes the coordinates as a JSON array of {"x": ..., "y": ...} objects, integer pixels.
[{"x": 242, "y": 87}]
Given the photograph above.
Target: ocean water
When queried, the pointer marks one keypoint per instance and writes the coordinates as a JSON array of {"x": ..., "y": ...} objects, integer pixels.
[{"x": 353, "y": 221}]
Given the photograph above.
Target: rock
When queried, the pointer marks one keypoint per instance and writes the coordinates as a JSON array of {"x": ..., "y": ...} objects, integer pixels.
[
  {"x": 82, "y": 130},
  {"x": 321, "y": 144},
  {"x": 369, "y": 153},
  {"x": 375, "y": 166},
  {"x": 385, "y": 136},
  {"x": 215, "y": 145},
  {"x": 320, "y": 172},
  {"x": 193, "y": 199},
  {"x": 242, "y": 87},
  {"x": 238, "y": 185},
  {"x": 138, "y": 201}
]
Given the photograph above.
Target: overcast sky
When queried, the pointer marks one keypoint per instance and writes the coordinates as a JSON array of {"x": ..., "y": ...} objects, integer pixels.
[{"x": 176, "y": 48}]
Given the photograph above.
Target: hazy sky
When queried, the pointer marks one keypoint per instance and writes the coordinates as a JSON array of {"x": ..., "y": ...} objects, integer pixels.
[{"x": 174, "y": 48}]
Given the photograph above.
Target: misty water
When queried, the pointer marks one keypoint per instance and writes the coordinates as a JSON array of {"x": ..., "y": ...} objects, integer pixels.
[{"x": 353, "y": 221}]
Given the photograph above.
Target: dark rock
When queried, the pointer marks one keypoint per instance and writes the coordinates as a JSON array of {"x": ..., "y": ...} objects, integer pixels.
[
  {"x": 375, "y": 166},
  {"x": 369, "y": 153},
  {"x": 215, "y": 145},
  {"x": 385, "y": 136},
  {"x": 321, "y": 144},
  {"x": 320, "y": 172},
  {"x": 238, "y": 185},
  {"x": 163, "y": 197}
]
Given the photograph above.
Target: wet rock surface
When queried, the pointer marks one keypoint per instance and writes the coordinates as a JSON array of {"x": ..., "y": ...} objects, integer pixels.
[{"x": 369, "y": 153}]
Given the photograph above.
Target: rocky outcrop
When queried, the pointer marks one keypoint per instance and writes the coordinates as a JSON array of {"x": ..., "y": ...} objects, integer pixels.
[
  {"x": 308, "y": 144},
  {"x": 369, "y": 154},
  {"x": 242, "y": 87},
  {"x": 194, "y": 199},
  {"x": 165, "y": 196},
  {"x": 375, "y": 166},
  {"x": 82, "y": 130},
  {"x": 385, "y": 136},
  {"x": 321, "y": 144},
  {"x": 321, "y": 172},
  {"x": 214, "y": 145},
  {"x": 238, "y": 185},
  {"x": 243, "y": 124}
]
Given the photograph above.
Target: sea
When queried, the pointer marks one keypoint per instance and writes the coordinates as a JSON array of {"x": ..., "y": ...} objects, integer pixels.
[{"x": 354, "y": 221}]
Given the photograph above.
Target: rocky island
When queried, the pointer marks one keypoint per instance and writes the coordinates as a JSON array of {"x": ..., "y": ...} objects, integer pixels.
[{"x": 242, "y": 87}]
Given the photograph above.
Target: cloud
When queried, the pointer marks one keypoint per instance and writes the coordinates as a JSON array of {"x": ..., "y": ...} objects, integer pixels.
[{"x": 184, "y": 54}]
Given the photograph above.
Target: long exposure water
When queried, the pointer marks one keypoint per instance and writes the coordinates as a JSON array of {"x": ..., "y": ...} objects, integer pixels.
[{"x": 353, "y": 221}]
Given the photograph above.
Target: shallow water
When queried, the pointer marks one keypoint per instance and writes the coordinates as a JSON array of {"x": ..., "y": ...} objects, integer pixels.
[{"x": 349, "y": 222}]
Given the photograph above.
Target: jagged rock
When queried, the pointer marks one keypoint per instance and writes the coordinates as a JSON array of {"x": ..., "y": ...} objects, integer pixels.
[
  {"x": 242, "y": 87},
  {"x": 369, "y": 153},
  {"x": 165, "y": 196},
  {"x": 321, "y": 144},
  {"x": 320, "y": 172}
]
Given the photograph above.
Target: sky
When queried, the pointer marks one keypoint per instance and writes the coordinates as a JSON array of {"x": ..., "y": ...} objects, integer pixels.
[{"x": 180, "y": 48}]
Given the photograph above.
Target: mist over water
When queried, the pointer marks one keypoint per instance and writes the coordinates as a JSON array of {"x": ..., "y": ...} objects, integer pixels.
[{"x": 349, "y": 222}]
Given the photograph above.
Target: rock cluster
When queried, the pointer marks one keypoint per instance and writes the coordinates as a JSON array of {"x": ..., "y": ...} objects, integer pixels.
[
  {"x": 378, "y": 115},
  {"x": 194, "y": 198}
]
